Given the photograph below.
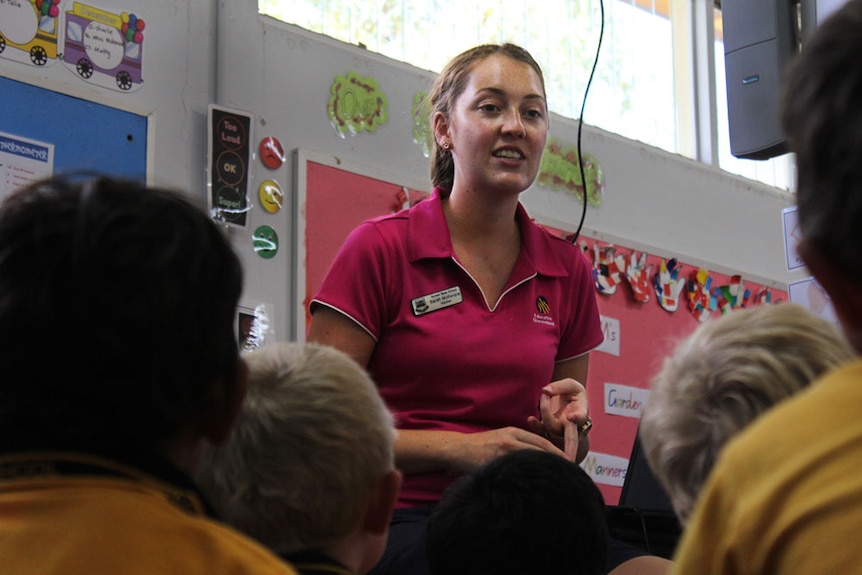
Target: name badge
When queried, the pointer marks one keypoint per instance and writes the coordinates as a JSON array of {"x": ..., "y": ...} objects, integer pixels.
[{"x": 437, "y": 300}]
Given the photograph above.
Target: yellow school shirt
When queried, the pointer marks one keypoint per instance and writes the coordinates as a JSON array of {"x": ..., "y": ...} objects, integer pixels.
[
  {"x": 786, "y": 495},
  {"x": 103, "y": 518}
]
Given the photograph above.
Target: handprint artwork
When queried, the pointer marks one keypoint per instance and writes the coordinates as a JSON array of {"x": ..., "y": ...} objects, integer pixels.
[
  {"x": 607, "y": 267},
  {"x": 611, "y": 265},
  {"x": 701, "y": 301},
  {"x": 668, "y": 285},
  {"x": 733, "y": 295},
  {"x": 638, "y": 274}
]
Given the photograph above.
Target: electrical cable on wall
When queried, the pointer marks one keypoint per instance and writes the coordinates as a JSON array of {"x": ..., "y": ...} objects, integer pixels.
[{"x": 581, "y": 121}]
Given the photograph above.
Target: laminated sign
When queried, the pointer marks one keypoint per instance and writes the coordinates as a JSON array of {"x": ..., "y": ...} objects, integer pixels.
[{"x": 229, "y": 164}]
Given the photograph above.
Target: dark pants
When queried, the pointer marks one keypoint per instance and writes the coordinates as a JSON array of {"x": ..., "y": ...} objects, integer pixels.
[{"x": 405, "y": 548}]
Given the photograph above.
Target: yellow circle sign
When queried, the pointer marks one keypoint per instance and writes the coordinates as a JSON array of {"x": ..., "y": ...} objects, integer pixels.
[{"x": 271, "y": 196}]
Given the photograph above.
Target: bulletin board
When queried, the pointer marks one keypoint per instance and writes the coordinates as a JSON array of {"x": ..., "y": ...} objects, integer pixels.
[
  {"x": 638, "y": 335},
  {"x": 333, "y": 198},
  {"x": 85, "y": 135}
]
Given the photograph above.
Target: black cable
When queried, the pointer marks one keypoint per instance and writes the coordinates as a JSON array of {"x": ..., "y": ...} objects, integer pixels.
[
  {"x": 581, "y": 123},
  {"x": 645, "y": 531},
  {"x": 644, "y": 534}
]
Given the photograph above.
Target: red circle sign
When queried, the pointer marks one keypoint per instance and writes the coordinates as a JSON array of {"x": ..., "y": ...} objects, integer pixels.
[{"x": 271, "y": 153}]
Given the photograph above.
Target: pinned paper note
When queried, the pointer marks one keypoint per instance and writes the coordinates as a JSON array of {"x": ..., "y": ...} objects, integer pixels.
[
  {"x": 605, "y": 469},
  {"x": 625, "y": 400},
  {"x": 790, "y": 223}
]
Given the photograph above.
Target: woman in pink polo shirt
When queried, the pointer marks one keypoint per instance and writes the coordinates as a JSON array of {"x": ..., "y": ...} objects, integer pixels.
[{"x": 475, "y": 323}]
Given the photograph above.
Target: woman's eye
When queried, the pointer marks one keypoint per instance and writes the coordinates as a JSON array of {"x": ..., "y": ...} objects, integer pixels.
[
  {"x": 534, "y": 113},
  {"x": 489, "y": 107}
]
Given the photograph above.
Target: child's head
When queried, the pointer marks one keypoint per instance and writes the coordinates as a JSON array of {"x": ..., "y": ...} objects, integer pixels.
[
  {"x": 526, "y": 512},
  {"x": 312, "y": 453}
]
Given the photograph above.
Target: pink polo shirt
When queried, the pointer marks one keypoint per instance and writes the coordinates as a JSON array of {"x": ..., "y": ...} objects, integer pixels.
[{"x": 445, "y": 359}]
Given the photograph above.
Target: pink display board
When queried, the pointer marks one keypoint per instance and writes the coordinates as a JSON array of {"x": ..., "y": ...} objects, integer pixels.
[
  {"x": 336, "y": 201},
  {"x": 643, "y": 333}
]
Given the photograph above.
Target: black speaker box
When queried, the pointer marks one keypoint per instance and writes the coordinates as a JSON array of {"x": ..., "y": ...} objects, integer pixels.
[{"x": 760, "y": 39}]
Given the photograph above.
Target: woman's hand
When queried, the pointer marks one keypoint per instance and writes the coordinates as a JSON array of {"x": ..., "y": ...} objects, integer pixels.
[
  {"x": 479, "y": 448},
  {"x": 424, "y": 451},
  {"x": 563, "y": 409}
]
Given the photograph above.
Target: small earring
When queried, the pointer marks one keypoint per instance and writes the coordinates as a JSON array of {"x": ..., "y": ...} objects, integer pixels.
[{"x": 445, "y": 145}]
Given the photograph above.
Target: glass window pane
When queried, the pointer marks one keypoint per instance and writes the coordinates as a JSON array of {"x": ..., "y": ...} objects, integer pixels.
[
  {"x": 634, "y": 91},
  {"x": 631, "y": 95}
]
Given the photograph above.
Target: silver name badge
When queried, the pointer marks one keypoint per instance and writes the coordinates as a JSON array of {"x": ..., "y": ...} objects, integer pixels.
[{"x": 437, "y": 300}]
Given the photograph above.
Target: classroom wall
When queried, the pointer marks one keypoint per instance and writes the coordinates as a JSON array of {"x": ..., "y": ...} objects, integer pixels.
[
  {"x": 654, "y": 201},
  {"x": 203, "y": 52}
]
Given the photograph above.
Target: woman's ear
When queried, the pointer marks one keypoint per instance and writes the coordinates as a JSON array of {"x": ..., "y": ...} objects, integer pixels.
[{"x": 440, "y": 125}]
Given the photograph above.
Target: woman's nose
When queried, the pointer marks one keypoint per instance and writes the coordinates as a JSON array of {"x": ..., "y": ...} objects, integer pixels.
[{"x": 513, "y": 123}]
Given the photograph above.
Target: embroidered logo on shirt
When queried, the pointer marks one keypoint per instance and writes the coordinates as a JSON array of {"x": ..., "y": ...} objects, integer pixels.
[
  {"x": 542, "y": 305},
  {"x": 437, "y": 300},
  {"x": 544, "y": 309}
]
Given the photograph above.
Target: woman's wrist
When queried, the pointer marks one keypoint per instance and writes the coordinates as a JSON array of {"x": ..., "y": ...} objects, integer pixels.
[{"x": 423, "y": 451}]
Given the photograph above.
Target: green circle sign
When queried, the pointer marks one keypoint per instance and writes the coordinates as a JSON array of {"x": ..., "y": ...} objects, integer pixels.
[{"x": 265, "y": 242}]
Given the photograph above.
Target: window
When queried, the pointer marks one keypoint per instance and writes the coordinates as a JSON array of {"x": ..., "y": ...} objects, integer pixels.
[
  {"x": 637, "y": 83},
  {"x": 632, "y": 93}
]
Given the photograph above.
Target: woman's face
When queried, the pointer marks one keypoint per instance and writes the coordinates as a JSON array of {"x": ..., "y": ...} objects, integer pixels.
[{"x": 497, "y": 127}]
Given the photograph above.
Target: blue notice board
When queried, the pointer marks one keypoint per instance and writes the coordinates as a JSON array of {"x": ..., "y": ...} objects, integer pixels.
[{"x": 85, "y": 135}]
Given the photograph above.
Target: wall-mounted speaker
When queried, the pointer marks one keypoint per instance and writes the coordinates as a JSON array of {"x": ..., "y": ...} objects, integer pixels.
[{"x": 760, "y": 38}]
